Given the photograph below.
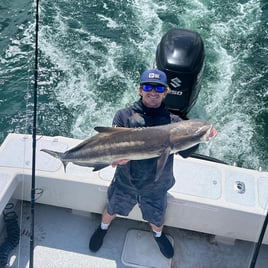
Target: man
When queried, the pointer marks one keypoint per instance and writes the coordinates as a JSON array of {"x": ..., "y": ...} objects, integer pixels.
[{"x": 134, "y": 181}]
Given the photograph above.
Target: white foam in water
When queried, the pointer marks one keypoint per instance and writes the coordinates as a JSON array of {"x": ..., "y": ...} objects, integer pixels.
[
  {"x": 76, "y": 89},
  {"x": 89, "y": 62},
  {"x": 110, "y": 22},
  {"x": 150, "y": 27},
  {"x": 222, "y": 99},
  {"x": 79, "y": 87}
]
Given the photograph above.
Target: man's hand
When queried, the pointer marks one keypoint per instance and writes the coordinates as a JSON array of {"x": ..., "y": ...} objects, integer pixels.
[{"x": 120, "y": 162}]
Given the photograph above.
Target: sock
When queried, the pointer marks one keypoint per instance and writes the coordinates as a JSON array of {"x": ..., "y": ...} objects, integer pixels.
[
  {"x": 157, "y": 234},
  {"x": 104, "y": 226}
]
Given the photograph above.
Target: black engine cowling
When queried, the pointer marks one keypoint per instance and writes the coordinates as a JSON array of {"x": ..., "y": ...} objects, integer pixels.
[{"x": 180, "y": 54}]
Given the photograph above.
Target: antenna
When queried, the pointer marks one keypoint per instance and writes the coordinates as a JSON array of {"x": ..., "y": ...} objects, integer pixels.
[{"x": 258, "y": 245}]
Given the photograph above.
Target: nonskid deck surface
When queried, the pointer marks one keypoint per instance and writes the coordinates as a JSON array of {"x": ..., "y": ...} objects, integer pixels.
[{"x": 62, "y": 237}]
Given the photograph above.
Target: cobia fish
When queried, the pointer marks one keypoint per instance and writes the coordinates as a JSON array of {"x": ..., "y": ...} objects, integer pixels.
[{"x": 113, "y": 144}]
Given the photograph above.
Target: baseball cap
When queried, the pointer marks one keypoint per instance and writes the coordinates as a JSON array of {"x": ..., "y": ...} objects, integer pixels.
[{"x": 154, "y": 76}]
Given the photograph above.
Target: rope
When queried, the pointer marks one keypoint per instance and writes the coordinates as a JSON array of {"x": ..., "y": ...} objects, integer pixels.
[{"x": 13, "y": 234}]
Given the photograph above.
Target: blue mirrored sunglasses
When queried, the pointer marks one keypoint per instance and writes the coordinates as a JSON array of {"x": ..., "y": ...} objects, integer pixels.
[{"x": 157, "y": 88}]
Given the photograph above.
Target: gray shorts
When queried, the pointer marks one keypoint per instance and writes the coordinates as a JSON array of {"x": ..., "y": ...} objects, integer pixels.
[{"x": 153, "y": 205}]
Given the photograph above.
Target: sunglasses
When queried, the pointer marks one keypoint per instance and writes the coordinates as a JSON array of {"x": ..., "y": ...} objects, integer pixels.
[{"x": 157, "y": 88}]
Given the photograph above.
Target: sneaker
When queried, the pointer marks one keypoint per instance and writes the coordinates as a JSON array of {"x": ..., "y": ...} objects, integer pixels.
[
  {"x": 165, "y": 246},
  {"x": 96, "y": 239}
]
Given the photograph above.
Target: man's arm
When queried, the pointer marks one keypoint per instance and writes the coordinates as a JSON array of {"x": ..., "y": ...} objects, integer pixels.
[{"x": 121, "y": 118}]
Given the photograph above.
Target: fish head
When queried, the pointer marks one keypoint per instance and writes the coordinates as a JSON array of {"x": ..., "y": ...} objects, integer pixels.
[
  {"x": 206, "y": 132},
  {"x": 191, "y": 132}
]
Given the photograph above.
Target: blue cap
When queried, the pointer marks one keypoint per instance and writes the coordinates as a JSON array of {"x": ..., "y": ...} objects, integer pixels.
[{"x": 154, "y": 76}]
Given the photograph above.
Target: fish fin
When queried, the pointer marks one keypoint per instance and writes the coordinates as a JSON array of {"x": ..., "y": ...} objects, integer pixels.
[
  {"x": 103, "y": 131},
  {"x": 53, "y": 153},
  {"x": 161, "y": 162},
  {"x": 57, "y": 155},
  {"x": 110, "y": 129},
  {"x": 180, "y": 156},
  {"x": 99, "y": 167},
  {"x": 86, "y": 142},
  {"x": 65, "y": 165}
]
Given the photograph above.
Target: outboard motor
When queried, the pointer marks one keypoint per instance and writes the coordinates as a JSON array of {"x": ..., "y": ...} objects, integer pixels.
[{"x": 180, "y": 54}]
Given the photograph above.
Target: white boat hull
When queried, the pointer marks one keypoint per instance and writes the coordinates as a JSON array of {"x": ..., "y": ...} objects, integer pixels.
[{"x": 208, "y": 197}]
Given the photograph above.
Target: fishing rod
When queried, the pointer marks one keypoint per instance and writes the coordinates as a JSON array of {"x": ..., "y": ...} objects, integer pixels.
[
  {"x": 259, "y": 243},
  {"x": 34, "y": 136}
]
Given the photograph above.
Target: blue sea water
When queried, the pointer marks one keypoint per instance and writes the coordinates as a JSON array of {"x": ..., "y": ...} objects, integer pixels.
[{"x": 91, "y": 53}]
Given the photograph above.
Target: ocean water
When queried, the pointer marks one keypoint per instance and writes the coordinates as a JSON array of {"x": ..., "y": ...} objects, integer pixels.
[{"x": 91, "y": 53}]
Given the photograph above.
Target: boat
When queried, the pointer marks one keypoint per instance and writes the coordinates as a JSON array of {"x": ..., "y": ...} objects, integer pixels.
[{"x": 216, "y": 211}]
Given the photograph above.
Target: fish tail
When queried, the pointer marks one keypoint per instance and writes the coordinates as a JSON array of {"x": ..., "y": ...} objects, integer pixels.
[
  {"x": 53, "y": 153},
  {"x": 57, "y": 155}
]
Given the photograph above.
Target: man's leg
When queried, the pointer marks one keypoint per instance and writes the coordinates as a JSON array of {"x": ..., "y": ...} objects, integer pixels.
[
  {"x": 153, "y": 208},
  {"x": 118, "y": 202},
  {"x": 106, "y": 217},
  {"x": 156, "y": 229},
  {"x": 162, "y": 241},
  {"x": 96, "y": 239}
]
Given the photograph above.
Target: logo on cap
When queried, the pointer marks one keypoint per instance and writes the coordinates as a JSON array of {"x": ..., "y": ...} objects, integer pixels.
[{"x": 154, "y": 75}]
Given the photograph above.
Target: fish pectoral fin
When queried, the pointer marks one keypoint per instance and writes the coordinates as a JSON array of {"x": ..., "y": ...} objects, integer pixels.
[
  {"x": 99, "y": 167},
  {"x": 179, "y": 155},
  {"x": 161, "y": 162}
]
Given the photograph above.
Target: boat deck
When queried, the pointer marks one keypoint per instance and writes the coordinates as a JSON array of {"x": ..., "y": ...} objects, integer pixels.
[
  {"x": 62, "y": 237},
  {"x": 213, "y": 209}
]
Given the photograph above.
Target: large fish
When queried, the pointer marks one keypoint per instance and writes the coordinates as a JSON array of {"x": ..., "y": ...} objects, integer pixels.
[{"x": 113, "y": 144}]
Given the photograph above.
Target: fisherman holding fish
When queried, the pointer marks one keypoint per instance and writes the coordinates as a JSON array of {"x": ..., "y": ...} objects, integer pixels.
[
  {"x": 141, "y": 146},
  {"x": 135, "y": 181}
]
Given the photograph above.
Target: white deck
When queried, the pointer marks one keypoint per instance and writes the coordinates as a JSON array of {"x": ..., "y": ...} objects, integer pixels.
[
  {"x": 62, "y": 237},
  {"x": 207, "y": 197}
]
